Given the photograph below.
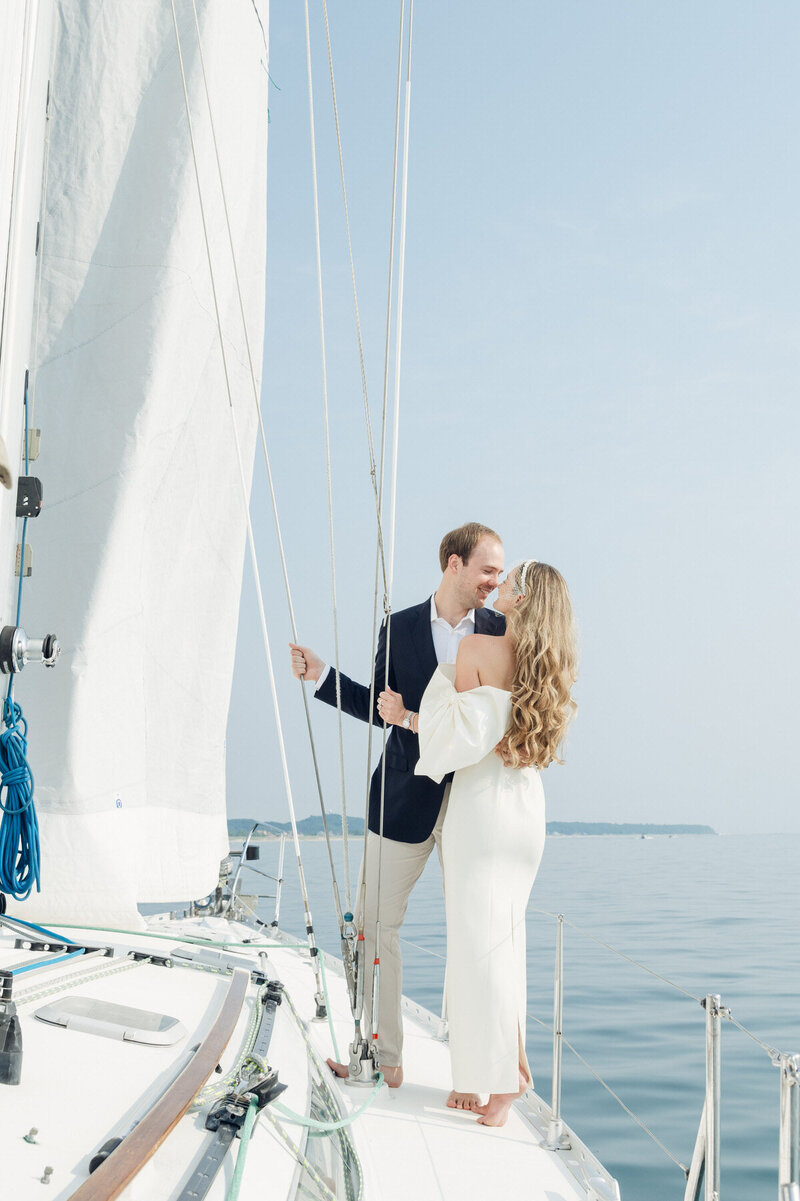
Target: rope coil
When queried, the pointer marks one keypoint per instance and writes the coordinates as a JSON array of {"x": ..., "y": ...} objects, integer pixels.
[{"x": 19, "y": 829}]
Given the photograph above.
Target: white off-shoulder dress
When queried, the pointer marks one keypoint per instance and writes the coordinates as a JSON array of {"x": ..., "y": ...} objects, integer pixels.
[{"x": 492, "y": 844}]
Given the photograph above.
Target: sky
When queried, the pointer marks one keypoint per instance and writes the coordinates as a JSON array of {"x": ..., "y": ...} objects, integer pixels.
[{"x": 600, "y": 359}]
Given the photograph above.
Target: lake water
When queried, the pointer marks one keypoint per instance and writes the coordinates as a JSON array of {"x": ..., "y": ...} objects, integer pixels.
[{"x": 713, "y": 914}]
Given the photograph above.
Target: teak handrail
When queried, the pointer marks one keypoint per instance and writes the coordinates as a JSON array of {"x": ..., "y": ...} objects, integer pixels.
[{"x": 116, "y": 1172}]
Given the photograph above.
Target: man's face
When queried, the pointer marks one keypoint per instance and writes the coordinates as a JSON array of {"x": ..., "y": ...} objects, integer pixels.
[{"x": 477, "y": 579}]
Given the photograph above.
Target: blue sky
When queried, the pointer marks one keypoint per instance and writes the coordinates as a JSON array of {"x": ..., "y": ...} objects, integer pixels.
[{"x": 600, "y": 359}]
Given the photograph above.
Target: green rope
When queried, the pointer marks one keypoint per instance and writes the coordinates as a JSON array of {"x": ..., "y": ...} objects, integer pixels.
[
  {"x": 328, "y": 1127},
  {"x": 220, "y": 1088},
  {"x": 244, "y": 1144}
]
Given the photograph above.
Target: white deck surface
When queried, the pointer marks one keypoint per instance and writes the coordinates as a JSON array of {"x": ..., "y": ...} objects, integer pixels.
[{"x": 79, "y": 1090}]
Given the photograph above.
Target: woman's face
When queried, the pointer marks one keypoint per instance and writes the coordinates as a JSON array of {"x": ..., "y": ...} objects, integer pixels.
[{"x": 506, "y": 596}]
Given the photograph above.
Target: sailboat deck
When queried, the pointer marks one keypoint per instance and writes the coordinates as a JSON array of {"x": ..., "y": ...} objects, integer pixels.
[{"x": 79, "y": 1089}]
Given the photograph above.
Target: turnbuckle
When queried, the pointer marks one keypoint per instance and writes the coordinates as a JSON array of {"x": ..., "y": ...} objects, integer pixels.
[{"x": 348, "y": 941}]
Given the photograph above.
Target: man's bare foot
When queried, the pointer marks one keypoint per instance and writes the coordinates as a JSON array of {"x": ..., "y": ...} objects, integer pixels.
[
  {"x": 495, "y": 1111},
  {"x": 392, "y": 1076},
  {"x": 463, "y": 1100}
]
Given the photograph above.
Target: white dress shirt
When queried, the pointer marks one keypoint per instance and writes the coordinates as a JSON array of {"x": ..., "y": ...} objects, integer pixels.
[{"x": 445, "y": 639}]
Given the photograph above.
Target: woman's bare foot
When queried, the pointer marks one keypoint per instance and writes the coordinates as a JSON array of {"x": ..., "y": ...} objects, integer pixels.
[
  {"x": 392, "y": 1076},
  {"x": 495, "y": 1111},
  {"x": 463, "y": 1100}
]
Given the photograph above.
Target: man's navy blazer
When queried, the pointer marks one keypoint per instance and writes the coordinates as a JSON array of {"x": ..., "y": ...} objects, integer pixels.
[{"x": 411, "y": 803}]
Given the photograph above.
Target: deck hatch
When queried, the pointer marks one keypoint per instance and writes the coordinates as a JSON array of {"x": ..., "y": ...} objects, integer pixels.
[{"x": 109, "y": 1020}]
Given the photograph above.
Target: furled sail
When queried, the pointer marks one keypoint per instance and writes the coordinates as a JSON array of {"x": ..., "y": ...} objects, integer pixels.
[{"x": 139, "y": 548}]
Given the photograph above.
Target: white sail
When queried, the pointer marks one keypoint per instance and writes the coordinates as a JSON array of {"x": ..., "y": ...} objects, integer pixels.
[{"x": 139, "y": 548}]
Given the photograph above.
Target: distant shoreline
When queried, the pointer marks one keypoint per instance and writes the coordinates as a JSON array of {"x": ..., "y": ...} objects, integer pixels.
[{"x": 310, "y": 829}]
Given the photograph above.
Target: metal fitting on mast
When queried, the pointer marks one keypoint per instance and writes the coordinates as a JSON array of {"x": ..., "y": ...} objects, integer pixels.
[{"x": 17, "y": 649}]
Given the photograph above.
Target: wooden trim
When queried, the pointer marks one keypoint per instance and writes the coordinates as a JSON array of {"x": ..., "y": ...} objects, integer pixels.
[{"x": 112, "y": 1176}]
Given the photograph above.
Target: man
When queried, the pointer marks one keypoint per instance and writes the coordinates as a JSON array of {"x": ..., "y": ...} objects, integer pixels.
[{"x": 421, "y": 637}]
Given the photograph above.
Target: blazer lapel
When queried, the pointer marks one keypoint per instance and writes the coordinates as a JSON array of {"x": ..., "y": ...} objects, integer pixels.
[{"x": 423, "y": 643}]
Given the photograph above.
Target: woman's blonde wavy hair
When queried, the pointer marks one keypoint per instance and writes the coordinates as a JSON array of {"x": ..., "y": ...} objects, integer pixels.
[{"x": 543, "y": 629}]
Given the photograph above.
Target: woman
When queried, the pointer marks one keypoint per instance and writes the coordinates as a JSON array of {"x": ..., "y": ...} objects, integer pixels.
[{"x": 496, "y": 719}]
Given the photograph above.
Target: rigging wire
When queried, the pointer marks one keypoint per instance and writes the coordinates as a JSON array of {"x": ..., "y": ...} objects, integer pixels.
[
  {"x": 380, "y": 564},
  {"x": 367, "y": 415},
  {"x": 326, "y": 423},
  {"x": 377, "y": 486},
  {"x": 271, "y": 484},
  {"x": 313, "y": 951},
  {"x": 393, "y": 500}
]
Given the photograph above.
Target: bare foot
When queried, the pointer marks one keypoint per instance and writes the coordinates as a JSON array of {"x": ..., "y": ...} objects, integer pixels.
[
  {"x": 392, "y": 1076},
  {"x": 463, "y": 1100},
  {"x": 495, "y": 1111}
]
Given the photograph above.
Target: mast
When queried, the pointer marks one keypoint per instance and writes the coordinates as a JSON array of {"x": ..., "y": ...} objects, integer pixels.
[{"x": 26, "y": 31}]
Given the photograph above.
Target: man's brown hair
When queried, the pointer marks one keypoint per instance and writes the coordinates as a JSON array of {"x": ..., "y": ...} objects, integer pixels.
[{"x": 463, "y": 541}]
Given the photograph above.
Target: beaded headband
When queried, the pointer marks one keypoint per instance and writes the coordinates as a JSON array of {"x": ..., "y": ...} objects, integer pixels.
[{"x": 523, "y": 573}]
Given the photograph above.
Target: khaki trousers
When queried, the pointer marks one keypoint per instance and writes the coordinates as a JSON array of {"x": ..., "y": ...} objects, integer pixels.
[{"x": 402, "y": 864}]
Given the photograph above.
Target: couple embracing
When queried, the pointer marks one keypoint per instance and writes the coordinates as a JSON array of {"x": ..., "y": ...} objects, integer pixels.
[{"x": 479, "y": 701}]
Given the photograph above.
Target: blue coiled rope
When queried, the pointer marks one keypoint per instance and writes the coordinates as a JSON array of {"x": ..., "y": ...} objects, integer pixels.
[{"x": 19, "y": 828}]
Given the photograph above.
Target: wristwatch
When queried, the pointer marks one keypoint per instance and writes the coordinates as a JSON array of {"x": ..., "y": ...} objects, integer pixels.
[{"x": 406, "y": 722}]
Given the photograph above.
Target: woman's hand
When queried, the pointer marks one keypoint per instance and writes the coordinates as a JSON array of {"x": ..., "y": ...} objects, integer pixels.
[{"x": 391, "y": 708}]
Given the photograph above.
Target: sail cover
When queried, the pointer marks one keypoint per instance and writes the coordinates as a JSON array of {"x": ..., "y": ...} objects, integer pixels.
[{"x": 138, "y": 552}]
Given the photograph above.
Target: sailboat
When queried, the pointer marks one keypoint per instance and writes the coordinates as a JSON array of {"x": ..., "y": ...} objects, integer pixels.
[{"x": 182, "y": 1056}]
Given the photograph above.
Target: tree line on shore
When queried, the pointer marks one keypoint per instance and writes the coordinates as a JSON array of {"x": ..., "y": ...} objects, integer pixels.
[{"x": 311, "y": 827}]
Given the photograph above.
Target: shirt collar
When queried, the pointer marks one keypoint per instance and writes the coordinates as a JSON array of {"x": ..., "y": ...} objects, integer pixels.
[{"x": 470, "y": 617}]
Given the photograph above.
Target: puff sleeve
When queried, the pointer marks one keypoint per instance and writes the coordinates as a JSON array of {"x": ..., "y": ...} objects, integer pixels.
[{"x": 458, "y": 729}]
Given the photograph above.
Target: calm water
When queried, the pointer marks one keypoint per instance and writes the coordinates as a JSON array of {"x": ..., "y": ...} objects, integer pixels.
[{"x": 713, "y": 914}]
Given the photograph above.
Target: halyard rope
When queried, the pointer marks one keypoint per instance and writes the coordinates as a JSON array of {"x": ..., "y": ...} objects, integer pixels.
[
  {"x": 246, "y": 506},
  {"x": 273, "y": 498}
]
